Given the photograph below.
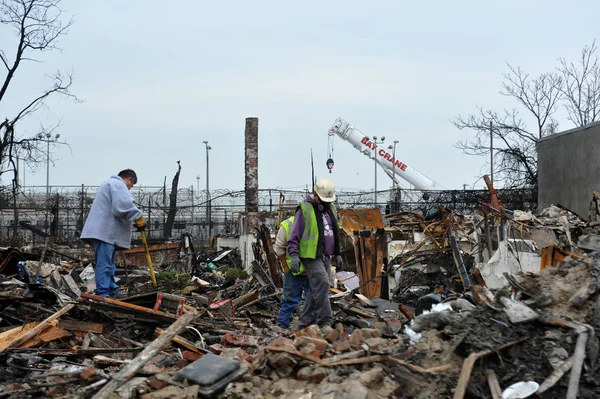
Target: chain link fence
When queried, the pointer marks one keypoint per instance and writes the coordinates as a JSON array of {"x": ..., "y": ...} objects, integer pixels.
[{"x": 61, "y": 211}]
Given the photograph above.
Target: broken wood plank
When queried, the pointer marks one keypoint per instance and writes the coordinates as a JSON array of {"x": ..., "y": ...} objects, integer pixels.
[
  {"x": 62, "y": 352},
  {"x": 184, "y": 342},
  {"x": 495, "y": 389},
  {"x": 362, "y": 360},
  {"x": 419, "y": 369},
  {"x": 37, "y": 329},
  {"x": 465, "y": 373},
  {"x": 141, "y": 359},
  {"x": 75, "y": 325},
  {"x": 10, "y": 335},
  {"x": 556, "y": 375},
  {"x": 49, "y": 335}
]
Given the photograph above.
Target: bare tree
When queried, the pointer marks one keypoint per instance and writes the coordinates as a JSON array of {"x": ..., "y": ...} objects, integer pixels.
[
  {"x": 168, "y": 227},
  {"x": 514, "y": 142},
  {"x": 37, "y": 25},
  {"x": 581, "y": 90}
]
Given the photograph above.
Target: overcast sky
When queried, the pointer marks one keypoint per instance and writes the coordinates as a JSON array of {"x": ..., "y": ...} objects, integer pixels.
[{"x": 157, "y": 78}]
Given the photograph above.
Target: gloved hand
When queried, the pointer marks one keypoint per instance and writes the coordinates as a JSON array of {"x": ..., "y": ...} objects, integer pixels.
[
  {"x": 140, "y": 224},
  {"x": 338, "y": 262},
  {"x": 295, "y": 264}
]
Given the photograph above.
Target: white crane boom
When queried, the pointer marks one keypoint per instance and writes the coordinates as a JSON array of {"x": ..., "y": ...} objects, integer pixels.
[{"x": 393, "y": 167}]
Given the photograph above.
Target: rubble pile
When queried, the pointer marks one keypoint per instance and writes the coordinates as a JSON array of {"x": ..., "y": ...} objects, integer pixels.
[
  {"x": 208, "y": 328},
  {"x": 529, "y": 332}
]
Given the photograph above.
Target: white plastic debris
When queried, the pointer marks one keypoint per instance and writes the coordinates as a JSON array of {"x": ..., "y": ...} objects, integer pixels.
[
  {"x": 87, "y": 273},
  {"x": 523, "y": 389},
  {"x": 413, "y": 336}
]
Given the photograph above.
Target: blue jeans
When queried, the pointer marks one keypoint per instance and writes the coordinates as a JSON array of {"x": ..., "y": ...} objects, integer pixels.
[
  {"x": 292, "y": 294},
  {"x": 104, "y": 254}
]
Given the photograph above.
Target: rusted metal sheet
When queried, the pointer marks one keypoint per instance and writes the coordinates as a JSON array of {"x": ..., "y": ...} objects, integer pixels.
[
  {"x": 352, "y": 220},
  {"x": 370, "y": 249},
  {"x": 161, "y": 254},
  {"x": 553, "y": 255}
]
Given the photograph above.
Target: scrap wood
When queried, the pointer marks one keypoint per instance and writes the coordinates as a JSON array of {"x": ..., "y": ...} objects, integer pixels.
[
  {"x": 419, "y": 369},
  {"x": 278, "y": 293},
  {"x": 144, "y": 357},
  {"x": 183, "y": 342},
  {"x": 556, "y": 375},
  {"x": 37, "y": 329},
  {"x": 76, "y": 325},
  {"x": 362, "y": 360},
  {"x": 465, "y": 374},
  {"x": 48, "y": 335},
  {"x": 73, "y": 351},
  {"x": 495, "y": 389},
  {"x": 128, "y": 308}
]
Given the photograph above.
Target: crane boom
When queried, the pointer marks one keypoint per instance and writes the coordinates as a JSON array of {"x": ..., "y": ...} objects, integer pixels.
[{"x": 393, "y": 167}]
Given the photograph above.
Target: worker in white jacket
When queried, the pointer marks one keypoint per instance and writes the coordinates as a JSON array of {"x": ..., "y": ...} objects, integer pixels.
[{"x": 108, "y": 228}]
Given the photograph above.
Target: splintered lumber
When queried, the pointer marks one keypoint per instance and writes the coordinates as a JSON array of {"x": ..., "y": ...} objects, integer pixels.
[
  {"x": 144, "y": 357},
  {"x": 419, "y": 369},
  {"x": 362, "y": 360},
  {"x": 465, "y": 374},
  {"x": 50, "y": 334},
  {"x": 556, "y": 375},
  {"x": 183, "y": 342},
  {"x": 37, "y": 329},
  {"x": 74, "y": 325},
  {"x": 494, "y": 384},
  {"x": 14, "y": 333}
]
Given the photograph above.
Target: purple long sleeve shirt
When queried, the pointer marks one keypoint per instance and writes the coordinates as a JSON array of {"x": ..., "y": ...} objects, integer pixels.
[{"x": 293, "y": 245}]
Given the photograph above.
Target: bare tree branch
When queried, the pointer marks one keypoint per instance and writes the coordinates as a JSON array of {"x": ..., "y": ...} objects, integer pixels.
[
  {"x": 38, "y": 25},
  {"x": 582, "y": 86}
]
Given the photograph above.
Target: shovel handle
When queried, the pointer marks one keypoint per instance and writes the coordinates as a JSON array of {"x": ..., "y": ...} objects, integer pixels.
[{"x": 148, "y": 259}]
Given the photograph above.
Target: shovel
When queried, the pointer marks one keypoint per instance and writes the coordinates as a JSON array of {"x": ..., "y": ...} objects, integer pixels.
[{"x": 148, "y": 259}]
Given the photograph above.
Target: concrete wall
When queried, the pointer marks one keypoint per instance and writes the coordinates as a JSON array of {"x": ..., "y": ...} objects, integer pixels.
[{"x": 569, "y": 168}]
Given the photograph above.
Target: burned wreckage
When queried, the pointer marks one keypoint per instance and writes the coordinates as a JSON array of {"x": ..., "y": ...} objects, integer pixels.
[{"x": 502, "y": 304}]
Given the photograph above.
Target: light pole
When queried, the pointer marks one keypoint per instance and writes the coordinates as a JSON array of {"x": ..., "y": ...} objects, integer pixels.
[
  {"x": 208, "y": 210},
  {"x": 47, "y": 140},
  {"x": 198, "y": 185},
  {"x": 393, "y": 148},
  {"x": 375, "y": 159}
]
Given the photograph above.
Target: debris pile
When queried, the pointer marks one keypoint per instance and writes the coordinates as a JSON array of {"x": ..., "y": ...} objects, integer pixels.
[{"x": 208, "y": 328}]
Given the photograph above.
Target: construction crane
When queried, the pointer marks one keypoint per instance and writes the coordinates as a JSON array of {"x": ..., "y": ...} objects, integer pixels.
[{"x": 393, "y": 167}]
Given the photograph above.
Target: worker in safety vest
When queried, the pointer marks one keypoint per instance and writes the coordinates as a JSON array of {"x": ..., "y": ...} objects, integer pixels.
[
  {"x": 314, "y": 239},
  {"x": 294, "y": 283}
]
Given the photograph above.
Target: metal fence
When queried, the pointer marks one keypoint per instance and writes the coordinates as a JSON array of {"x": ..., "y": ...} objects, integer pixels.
[{"x": 62, "y": 212}]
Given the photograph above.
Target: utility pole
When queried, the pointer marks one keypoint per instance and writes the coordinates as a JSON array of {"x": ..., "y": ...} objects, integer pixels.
[
  {"x": 208, "y": 210},
  {"x": 393, "y": 148},
  {"x": 491, "y": 153},
  {"x": 375, "y": 159}
]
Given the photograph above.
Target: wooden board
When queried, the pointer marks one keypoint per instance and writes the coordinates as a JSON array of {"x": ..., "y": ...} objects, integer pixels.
[
  {"x": 51, "y": 334},
  {"x": 7, "y": 337},
  {"x": 74, "y": 325}
]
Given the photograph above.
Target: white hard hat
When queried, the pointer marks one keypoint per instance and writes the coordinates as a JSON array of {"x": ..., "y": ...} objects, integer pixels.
[{"x": 325, "y": 190}]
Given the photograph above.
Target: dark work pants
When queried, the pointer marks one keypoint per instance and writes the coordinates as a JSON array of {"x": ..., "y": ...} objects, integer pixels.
[{"x": 317, "y": 309}]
